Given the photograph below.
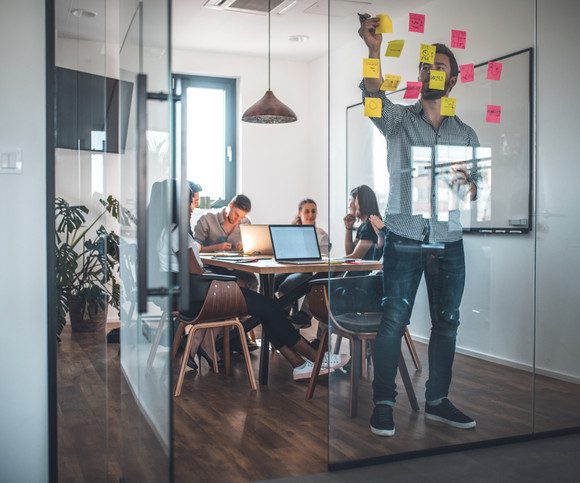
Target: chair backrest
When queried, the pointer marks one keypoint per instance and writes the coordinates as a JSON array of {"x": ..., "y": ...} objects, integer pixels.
[{"x": 223, "y": 300}]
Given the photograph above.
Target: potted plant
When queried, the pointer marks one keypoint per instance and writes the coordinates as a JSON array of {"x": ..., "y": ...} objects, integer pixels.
[{"x": 86, "y": 266}]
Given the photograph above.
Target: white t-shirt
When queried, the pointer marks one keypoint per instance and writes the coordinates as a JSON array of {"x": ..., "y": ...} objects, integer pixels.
[{"x": 168, "y": 255}]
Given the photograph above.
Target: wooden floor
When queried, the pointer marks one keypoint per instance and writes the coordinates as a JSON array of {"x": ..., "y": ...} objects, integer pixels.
[{"x": 225, "y": 432}]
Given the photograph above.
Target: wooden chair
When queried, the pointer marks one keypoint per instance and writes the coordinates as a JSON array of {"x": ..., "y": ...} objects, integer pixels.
[{"x": 353, "y": 311}]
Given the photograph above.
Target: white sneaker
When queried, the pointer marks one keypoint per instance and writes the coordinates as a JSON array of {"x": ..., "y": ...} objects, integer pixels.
[
  {"x": 336, "y": 361},
  {"x": 305, "y": 371}
]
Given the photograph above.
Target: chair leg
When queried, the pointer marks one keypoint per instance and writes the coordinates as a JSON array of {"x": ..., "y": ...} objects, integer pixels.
[
  {"x": 364, "y": 368},
  {"x": 177, "y": 339},
  {"x": 252, "y": 335},
  {"x": 214, "y": 355},
  {"x": 227, "y": 351},
  {"x": 337, "y": 344},
  {"x": 407, "y": 382},
  {"x": 412, "y": 349},
  {"x": 355, "y": 372},
  {"x": 317, "y": 364},
  {"x": 156, "y": 340},
  {"x": 190, "y": 333},
  {"x": 249, "y": 369}
]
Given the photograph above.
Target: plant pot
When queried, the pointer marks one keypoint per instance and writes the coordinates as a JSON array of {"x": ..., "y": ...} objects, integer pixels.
[{"x": 95, "y": 322}]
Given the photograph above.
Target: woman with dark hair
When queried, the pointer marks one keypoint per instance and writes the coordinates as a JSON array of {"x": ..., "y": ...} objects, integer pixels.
[
  {"x": 363, "y": 204},
  {"x": 283, "y": 336}
]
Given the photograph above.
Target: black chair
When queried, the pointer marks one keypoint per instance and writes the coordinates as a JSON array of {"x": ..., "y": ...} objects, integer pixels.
[{"x": 350, "y": 306}]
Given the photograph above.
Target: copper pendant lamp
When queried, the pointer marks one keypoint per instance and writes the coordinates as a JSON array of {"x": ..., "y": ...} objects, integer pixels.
[{"x": 269, "y": 110}]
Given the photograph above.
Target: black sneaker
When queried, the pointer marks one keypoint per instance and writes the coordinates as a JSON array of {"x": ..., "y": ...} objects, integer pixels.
[
  {"x": 301, "y": 320},
  {"x": 382, "y": 423},
  {"x": 447, "y": 413}
]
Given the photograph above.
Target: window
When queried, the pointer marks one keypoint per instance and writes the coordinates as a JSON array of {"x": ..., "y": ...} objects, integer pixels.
[{"x": 206, "y": 135}]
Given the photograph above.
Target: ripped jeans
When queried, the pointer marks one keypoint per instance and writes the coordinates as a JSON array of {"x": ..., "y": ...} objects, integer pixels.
[{"x": 404, "y": 263}]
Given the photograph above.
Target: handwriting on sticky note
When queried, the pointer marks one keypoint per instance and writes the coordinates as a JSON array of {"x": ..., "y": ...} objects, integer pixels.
[
  {"x": 394, "y": 48},
  {"x": 391, "y": 82},
  {"x": 467, "y": 72},
  {"x": 413, "y": 90},
  {"x": 458, "y": 39},
  {"x": 493, "y": 114},
  {"x": 494, "y": 70},
  {"x": 417, "y": 22},
  {"x": 427, "y": 54},
  {"x": 385, "y": 24},
  {"x": 372, "y": 68},
  {"x": 373, "y": 107},
  {"x": 448, "y": 106},
  {"x": 437, "y": 80}
]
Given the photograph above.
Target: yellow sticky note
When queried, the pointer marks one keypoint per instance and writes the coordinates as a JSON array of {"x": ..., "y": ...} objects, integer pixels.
[
  {"x": 373, "y": 107},
  {"x": 391, "y": 82},
  {"x": 427, "y": 53},
  {"x": 437, "y": 80},
  {"x": 372, "y": 68},
  {"x": 448, "y": 106},
  {"x": 385, "y": 24},
  {"x": 394, "y": 48}
]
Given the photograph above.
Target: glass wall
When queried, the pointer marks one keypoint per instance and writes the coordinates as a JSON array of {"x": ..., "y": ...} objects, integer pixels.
[{"x": 442, "y": 337}]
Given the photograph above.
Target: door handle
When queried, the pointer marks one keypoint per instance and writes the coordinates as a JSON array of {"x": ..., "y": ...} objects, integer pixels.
[{"x": 141, "y": 271}]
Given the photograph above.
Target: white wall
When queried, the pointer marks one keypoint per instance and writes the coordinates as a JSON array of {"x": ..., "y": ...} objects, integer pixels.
[
  {"x": 23, "y": 356},
  {"x": 276, "y": 165},
  {"x": 497, "y": 309}
]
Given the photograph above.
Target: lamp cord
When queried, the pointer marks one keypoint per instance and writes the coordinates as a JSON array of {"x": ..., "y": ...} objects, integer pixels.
[{"x": 269, "y": 41}]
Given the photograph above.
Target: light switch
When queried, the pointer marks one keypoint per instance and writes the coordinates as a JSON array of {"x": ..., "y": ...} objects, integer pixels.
[{"x": 10, "y": 161}]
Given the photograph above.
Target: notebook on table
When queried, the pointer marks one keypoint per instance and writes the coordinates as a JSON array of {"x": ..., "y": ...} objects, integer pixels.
[{"x": 295, "y": 244}]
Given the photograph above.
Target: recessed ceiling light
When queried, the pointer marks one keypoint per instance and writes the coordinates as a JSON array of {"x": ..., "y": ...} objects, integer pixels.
[
  {"x": 81, "y": 12},
  {"x": 298, "y": 38}
]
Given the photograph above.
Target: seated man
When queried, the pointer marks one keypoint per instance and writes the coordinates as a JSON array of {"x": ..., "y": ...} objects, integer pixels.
[{"x": 221, "y": 232}]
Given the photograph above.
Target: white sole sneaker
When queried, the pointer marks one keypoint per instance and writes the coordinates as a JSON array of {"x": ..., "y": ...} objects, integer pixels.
[
  {"x": 455, "y": 424},
  {"x": 383, "y": 432},
  {"x": 307, "y": 374}
]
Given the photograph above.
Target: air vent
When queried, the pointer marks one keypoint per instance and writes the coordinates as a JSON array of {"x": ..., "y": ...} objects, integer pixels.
[{"x": 257, "y": 7}]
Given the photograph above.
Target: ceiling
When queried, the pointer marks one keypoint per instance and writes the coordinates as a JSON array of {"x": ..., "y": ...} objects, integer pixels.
[{"x": 199, "y": 28}]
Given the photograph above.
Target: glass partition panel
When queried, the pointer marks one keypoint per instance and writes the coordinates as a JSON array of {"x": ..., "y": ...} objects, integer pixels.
[{"x": 436, "y": 184}]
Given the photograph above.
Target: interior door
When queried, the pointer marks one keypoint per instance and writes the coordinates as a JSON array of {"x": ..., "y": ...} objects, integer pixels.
[{"x": 146, "y": 292}]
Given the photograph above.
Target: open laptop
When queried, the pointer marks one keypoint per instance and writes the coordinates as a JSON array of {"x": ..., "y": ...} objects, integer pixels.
[
  {"x": 296, "y": 244},
  {"x": 256, "y": 240}
]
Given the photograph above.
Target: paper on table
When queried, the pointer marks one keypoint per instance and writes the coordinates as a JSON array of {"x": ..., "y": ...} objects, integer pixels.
[
  {"x": 372, "y": 68},
  {"x": 494, "y": 70},
  {"x": 427, "y": 54},
  {"x": 448, "y": 106},
  {"x": 413, "y": 90},
  {"x": 416, "y": 22},
  {"x": 391, "y": 82},
  {"x": 437, "y": 80},
  {"x": 493, "y": 114},
  {"x": 373, "y": 107},
  {"x": 385, "y": 24},
  {"x": 458, "y": 39},
  {"x": 394, "y": 48},
  {"x": 467, "y": 72}
]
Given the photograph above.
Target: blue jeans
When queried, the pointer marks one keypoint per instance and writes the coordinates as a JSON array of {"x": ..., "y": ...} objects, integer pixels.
[{"x": 404, "y": 263}]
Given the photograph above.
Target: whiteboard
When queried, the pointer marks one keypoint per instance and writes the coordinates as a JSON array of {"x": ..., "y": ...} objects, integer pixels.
[{"x": 504, "y": 203}]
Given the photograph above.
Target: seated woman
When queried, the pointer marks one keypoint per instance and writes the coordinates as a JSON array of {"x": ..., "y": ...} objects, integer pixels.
[
  {"x": 285, "y": 282},
  {"x": 283, "y": 336},
  {"x": 363, "y": 204}
]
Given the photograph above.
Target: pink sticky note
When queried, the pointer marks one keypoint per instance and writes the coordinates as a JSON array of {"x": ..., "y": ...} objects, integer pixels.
[
  {"x": 413, "y": 90},
  {"x": 494, "y": 70},
  {"x": 467, "y": 72},
  {"x": 458, "y": 39},
  {"x": 493, "y": 114},
  {"x": 416, "y": 22}
]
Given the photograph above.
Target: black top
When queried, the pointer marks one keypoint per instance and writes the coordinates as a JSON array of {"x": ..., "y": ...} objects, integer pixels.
[{"x": 366, "y": 232}]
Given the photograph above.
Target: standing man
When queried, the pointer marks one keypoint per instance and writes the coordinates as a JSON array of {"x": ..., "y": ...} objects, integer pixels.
[{"x": 417, "y": 245}]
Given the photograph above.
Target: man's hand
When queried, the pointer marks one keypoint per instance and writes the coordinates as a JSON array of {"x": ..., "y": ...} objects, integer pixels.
[
  {"x": 239, "y": 246},
  {"x": 371, "y": 38},
  {"x": 223, "y": 247},
  {"x": 461, "y": 177}
]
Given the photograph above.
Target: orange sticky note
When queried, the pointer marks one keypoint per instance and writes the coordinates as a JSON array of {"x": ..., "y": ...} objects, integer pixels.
[
  {"x": 391, "y": 82},
  {"x": 467, "y": 72},
  {"x": 448, "y": 106},
  {"x": 372, "y": 68},
  {"x": 413, "y": 90},
  {"x": 493, "y": 114},
  {"x": 494, "y": 70},
  {"x": 373, "y": 107},
  {"x": 437, "y": 80},
  {"x": 458, "y": 39},
  {"x": 385, "y": 24},
  {"x": 394, "y": 48},
  {"x": 427, "y": 54}
]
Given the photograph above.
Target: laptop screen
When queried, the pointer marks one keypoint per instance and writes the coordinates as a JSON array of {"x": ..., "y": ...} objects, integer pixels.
[{"x": 294, "y": 242}]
